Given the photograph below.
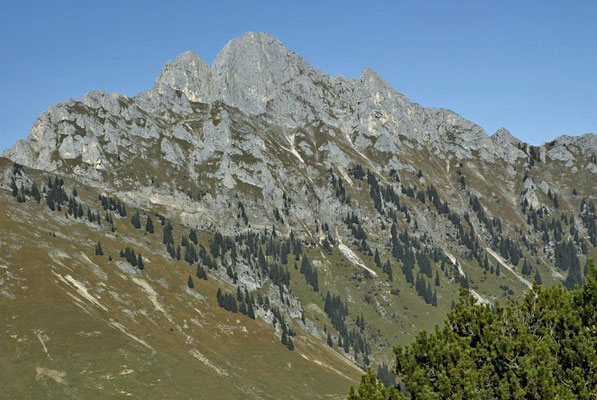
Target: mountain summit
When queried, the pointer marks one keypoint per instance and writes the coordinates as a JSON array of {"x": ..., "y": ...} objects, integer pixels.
[{"x": 257, "y": 75}]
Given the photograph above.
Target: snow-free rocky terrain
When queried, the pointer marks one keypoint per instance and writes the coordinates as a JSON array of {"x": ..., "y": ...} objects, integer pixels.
[{"x": 336, "y": 217}]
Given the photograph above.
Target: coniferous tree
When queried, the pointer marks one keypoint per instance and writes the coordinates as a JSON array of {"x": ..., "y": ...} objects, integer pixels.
[
  {"x": 574, "y": 277},
  {"x": 407, "y": 267},
  {"x": 284, "y": 250},
  {"x": 50, "y": 202},
  {"x": 130, "y": 256},
  {"x": 149, "y": 225},
  {"x": 215, "y": 246},
  {"x": 526, "y": 268},
  {"x": 227, "y": 301},
  {"x": 315, "y": 281},
  {"x": 190, "y": 282},
  {"x": 121, "y": 209},
  {"x": 345, "y": 346},
  {"x": 168, "y": 238},
  {"x": 242, "y": 307},
  {"x": 310, "y": 273},
  {"x": 250, "y": 305},
  {"x": 424, "y": 264},
  {"x": 35, "y": 193},
  {"x": 190, "y": 255},
  {"x": 377, "y": 259},
  {"x": 140, "y": 263},
  {"x": 98, "y": 249},
  {"x": 193, "y": 236},
  {"x": 387, "y": 268},
  {"x": 566, "y": 256},
  {"x": 136, "y": 220},
  {"x": 170, "y": 250},
  {"x": 201, "y": 274}
]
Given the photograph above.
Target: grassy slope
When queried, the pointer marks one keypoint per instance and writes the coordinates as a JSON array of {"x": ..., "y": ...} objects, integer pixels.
[{"x": 89, "y": 357}]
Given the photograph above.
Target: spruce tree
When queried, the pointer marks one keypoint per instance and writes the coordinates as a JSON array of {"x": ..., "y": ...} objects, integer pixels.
[
  {"x": 190, "y": 282},
  {"x": 388, "y": 270},
  {"x": 136, "y": 220},
  {"x": 250, "y": 311},
  {"x": 242, "y": 307},
  {"x": 149, "y": 225},
  {"x": 168, "y": 238},
  {"x": 140, "y": 263},
  {"x": 35, "y": 193},
  {"x": 201, "y": 274},
  {"x": 574, "y": 277},
  {"x": 193, "y": 236},
  {"x": 526, "y": 268},
  {"x": 98, "y": 249}
]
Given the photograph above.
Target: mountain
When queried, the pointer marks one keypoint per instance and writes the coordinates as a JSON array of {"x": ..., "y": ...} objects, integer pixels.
[{"x": 342, "y": 215}]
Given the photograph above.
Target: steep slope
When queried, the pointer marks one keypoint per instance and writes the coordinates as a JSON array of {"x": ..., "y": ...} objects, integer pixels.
[
  {"x": 358, "y": 214},
  {"x": 81, "y": 325}
]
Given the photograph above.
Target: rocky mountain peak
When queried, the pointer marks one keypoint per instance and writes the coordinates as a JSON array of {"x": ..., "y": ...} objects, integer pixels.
[
  {"x": 504, "y": 134},
  {"x": 258, "y": 76},
  {"x": 371, "y": 79},
  {"x": 189, "y": 75},
  {"x": 256, "y": 71}
]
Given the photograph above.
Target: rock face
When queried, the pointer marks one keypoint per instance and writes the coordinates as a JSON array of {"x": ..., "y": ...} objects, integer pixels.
[{"x": 262, "y": 129}]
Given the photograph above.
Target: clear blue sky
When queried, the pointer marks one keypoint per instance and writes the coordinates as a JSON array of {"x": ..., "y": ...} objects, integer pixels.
[{"x": 530, "y": 66}]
